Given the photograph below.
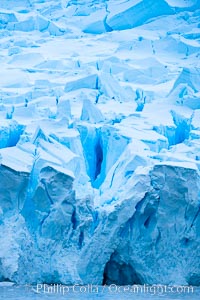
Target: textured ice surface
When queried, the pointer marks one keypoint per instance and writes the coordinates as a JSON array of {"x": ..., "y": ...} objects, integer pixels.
[{"x": 99, "y": 143}]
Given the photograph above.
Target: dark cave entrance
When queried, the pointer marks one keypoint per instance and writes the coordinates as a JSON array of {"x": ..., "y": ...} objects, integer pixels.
[{"x": 120, "y": 273}]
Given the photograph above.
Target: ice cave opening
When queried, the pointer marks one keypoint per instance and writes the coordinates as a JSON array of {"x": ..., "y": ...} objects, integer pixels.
[{"x": 120, "y": 273}]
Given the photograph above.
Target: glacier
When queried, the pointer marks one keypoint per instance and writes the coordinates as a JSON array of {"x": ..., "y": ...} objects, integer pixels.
[{"x": 100, "y": 142}]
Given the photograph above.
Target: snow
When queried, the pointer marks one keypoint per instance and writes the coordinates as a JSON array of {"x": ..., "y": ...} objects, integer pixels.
[
  {"x": 99, "y": 142},
  {"x": 181, "y": 3},
  {"x": 16, "y": 159},
  {"x": 25, "y": 60}
]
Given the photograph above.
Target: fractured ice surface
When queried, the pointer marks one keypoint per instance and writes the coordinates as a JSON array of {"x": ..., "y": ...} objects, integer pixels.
[{"x": 100, "y": 141}]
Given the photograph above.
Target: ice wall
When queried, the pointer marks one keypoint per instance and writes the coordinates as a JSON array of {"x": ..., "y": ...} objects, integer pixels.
[{"x": 100, "y": 142}]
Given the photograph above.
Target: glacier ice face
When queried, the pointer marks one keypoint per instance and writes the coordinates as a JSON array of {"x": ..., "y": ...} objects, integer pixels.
[
  {"x": 100, "y": 142},
  {"x": 186, "y": 88},
  {"x": 142, "y": 11},
  {"x": 6, "y": 17},
  {"x": 150, "y": 215},
  {"x": 90, "y": 113},
  {"x": 160, "y": 221},
  {"x": 10, "y": 133}
]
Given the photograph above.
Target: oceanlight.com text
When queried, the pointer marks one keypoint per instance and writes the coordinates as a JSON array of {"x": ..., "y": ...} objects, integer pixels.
[{"x": 113, "y": 288}]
